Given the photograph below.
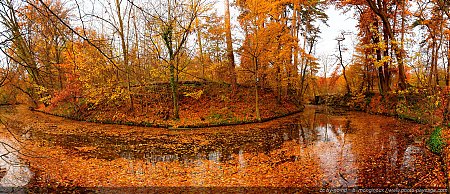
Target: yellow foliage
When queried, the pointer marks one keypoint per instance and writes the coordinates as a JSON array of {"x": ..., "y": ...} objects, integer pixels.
[{"x": 196, "y": 94}]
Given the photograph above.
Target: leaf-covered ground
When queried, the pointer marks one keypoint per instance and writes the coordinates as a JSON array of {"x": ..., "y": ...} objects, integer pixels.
[
  {"x": 310, "y": 150},
  {"x": 199, "y": 105},
  {"x": 446, "y": 153}
]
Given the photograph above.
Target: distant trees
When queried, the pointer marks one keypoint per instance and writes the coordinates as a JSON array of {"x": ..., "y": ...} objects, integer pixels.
[
  {"x": 271, "y": 49},
  {"x": 273, "y": 52},
  {"x": 378, "y": 29},
  {"x": 401, "y": 40},
  {"x": 35, "y": 40},
  {"x": 67, "y": 50},
  {"x": 107, "y": 51}
]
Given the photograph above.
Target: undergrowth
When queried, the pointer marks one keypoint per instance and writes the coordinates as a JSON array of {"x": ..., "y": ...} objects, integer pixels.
[{"x": 436, "y": 142}]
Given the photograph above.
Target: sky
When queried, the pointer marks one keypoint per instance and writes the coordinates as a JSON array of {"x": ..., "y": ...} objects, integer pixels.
[
  {"x": 327, "y": 46},
  {"x": 338, "y": 22}
]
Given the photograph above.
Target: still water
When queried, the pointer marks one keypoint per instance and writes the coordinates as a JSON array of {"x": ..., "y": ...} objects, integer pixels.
[
  {"x": 318, "y": 148},
  {"x": 14, "y": 173}
]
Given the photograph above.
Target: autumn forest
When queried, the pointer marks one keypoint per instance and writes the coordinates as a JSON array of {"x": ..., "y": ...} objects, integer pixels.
[{"x": 201, "y": 94}]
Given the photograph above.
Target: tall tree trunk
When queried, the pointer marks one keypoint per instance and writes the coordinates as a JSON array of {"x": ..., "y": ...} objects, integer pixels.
[
  {"x": 200, "y": 46},
  {"x": 387, "y": 72},
  {"x": 447, "y": 77},
  {"x": 347, "y": 86},
  {"x": 439, "y": 46},
  {"x": 369, "y": 76},
  {"x": 381, "y": 11},
  {"x": 124, "y": 52},
  {"x": 433, "y": 70},
  {"x": 303, "y": 65},
  {"x": 136, "y": 41},
  {"x": 303, "y": 87},
  {"x": 229, "y": 41},
  {"x": 278, "y": 80},
  {"x": 383, "y": 85},
  {"x": 436, "y": 72},
  {"x": 402, "y": 83},
  {"x": 167, "y": 37},
  {"x": 295, "y": 53},
  {"x": 174, "y": 87},
  {"x": 258, "y": 116}
]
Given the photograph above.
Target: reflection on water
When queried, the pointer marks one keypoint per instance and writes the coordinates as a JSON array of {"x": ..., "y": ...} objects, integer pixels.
[
  {"x": 314, "y": 148},
  {"x": 153, "y": 158},
  {"x": 336, "y": 158},
  {"x": 16, "y": 174},
  {"x": 409, "y": 157},
  {"x": 333, "y": 142},
  {"x": 393, "y": 151}
]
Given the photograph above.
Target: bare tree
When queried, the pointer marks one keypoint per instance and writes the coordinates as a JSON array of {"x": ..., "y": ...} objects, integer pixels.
[
  {"x": 170, "y": 23},
  {"x": 340, "y": 48},
  {"x": 14, "y": 38},
  {"x": 123, "y": 35}
]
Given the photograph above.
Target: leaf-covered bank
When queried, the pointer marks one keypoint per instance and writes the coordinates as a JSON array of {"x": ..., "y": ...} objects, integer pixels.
[
  {"x": 419, "y": 105},
  {"x": 201, "y": 105}
]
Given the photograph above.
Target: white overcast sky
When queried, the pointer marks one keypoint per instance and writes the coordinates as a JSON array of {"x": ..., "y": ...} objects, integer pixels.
[{"x": 337, "y": 22}]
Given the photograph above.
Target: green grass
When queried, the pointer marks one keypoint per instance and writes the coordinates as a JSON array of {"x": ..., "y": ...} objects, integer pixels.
[
  {"x": 215, "y": 116},
  {"x": 436, "y": 143}
]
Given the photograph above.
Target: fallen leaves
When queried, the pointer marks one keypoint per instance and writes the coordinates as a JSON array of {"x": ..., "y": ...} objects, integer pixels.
[
  {"x": 85, "y": 149},
  {"x": 304, "y": 150},
  {"x": 195, "y": 109}
]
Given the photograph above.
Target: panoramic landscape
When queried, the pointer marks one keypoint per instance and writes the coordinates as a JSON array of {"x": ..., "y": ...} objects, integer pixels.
[{"x": 219, "y": 96}]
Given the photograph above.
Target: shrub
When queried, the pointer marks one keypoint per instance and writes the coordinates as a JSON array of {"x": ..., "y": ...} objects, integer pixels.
[{"x": 436, "y": 143}]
